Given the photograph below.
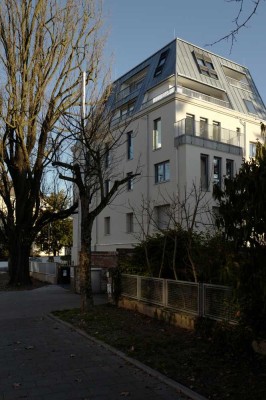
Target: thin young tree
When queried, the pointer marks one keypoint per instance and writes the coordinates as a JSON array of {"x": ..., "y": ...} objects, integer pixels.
[
  {"x": 43, "y": 47},
  {"x": 96, "y": 170}
]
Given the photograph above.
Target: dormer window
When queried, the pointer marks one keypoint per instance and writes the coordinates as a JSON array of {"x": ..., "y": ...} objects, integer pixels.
[
  {"x": 161, "y": 63},
  {"x": 205, "y": 64},
  {"x": 250, "y": 106}
]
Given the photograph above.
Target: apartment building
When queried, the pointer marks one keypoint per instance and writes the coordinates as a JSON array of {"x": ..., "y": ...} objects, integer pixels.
[{"x": 192, "y": 116}]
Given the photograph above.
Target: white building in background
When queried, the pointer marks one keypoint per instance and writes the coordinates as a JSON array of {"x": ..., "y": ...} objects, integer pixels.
[{"x": 193, "y": 117}]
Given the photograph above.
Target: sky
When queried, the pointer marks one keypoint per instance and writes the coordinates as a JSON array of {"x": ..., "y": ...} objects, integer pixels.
[{"x": 138, "y": 28}]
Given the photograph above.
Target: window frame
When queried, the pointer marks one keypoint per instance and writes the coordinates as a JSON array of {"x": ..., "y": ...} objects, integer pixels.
[
  {"x": 217, "y": 181},
  {"x": 205, "y": 65},
  {"x": 250, "y": 106},
  {"x": 163, "y": 217},
  {"x": 130, "y": 182},
  {"x": 107, "y": 184},
  {"x": 130, "y": 150},
  {"x": 204, "y": 184},
  {"x": 161, "y": 63},
  {"x": 164, "y": 176},
  {"x": 253, "y": 146},
  {"x": 107, "y": 156},
  {"x": 216, "y": 129},
  {"x": 107, "y": 226},
  {"x": 231, "y": 172},
  {"x": 204, "y": 127},
  {"x": 130, "y": 222},
  {"x": 190, "y": 124},
  {"x": 157, "y": 134}
]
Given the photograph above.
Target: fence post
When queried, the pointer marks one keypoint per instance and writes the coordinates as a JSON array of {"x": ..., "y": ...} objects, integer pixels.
[
  {"x": 201, "y": 300},
  {"x": 165, "y": 292},
  {"x": 138, "y": 287}
]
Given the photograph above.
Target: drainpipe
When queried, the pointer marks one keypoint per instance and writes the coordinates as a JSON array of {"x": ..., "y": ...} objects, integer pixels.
[{"x": 243, "y": 123}]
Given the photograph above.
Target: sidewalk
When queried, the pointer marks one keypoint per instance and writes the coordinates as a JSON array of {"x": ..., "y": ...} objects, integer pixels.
[{"x": 43, "y": 359}]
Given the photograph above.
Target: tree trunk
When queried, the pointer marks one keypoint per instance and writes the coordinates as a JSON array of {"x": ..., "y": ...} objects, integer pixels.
[
  {"x": 85, "y": 255},
  {"x": 85, "y": 277},
  {"x": 18, "y": 262}
]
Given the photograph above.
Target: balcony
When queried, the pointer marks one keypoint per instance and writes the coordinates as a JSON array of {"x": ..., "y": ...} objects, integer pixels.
[
  {"x": 239, "y": 84},
  {"x": 132, "y": 88},
  {"x": 199, "y": 133},
  {"x": 187, "y": 92}
]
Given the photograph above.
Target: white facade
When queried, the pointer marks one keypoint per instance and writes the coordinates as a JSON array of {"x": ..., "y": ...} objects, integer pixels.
[{"x": 193, "y": 117}]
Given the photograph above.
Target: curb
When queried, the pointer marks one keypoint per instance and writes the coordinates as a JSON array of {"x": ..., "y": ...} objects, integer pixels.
[{"x": 163, "y": 378}]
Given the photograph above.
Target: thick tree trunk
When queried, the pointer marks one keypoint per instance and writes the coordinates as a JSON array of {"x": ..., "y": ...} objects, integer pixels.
[
  {"x": 85, "y": 256},
  {"x": 18, "y": 262},
  {"x": 85, "y": 277}
]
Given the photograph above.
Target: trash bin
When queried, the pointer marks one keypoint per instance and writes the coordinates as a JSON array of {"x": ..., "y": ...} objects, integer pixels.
[{"x": 64, "y": 274}]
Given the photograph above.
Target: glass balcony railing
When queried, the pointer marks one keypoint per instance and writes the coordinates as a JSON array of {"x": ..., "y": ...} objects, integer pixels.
[
  {"x": 133, "y": 88},
  {"x": 239, "y": 84},
  {"x": 187, "y": 92},
  {"x": 188, "y": 126}
]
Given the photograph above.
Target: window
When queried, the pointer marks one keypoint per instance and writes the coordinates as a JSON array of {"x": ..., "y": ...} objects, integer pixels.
[
  {"x": 157, "y": 134},
  {"x": 250, "y": 106},
  {"x": 163, "y": 216},
  {"x": 252, "y": 149},
  {"x": 229, "y": 169},
  {"x": 127, "y": 110},
  {"x": 107, "y": 156},
  {"x": 204, "y": 127},
  {"x": 162, "y": 172},
  {"x": 216, "y": 131},
  {"x": 129, "y": 145},
  {"x": 130, "y": 181},
  {"x": 204, "y": 171},
  {"x": 205, "y": 65},
  {"x": 107, "y": 225},
  {"x": 106, "y": 186},
  {"x": 216, "y": 214},
  {"x": 217, "y": 171},
  {"x": 190, "y": 124},
  {"x": 161, "y": 63},
  {"x": 130, "y": 222}
]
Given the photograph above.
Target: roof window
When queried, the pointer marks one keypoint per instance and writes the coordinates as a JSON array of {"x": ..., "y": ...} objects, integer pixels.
[
  {"x": 205, "y": 65},
  {"x": 161, "y": 63}
]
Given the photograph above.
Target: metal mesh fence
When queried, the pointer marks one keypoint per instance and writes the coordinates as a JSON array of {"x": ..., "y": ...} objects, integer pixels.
[
  {"x": 183, "y": 296},
  {"x": 152, "y": 290},
  {"x": 218, "y": 303},
  {"x": 212, "y": 301},
  {"x": 130, "y": 285}
]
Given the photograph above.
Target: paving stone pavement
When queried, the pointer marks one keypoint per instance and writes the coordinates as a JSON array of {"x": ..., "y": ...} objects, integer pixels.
[{"x": 41, "y": 358}]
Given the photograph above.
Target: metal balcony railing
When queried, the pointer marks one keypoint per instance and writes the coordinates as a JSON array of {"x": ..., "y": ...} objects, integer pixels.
[{"x": 188, "y": 126}]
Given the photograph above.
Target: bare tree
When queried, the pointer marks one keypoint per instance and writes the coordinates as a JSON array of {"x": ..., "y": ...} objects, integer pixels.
[
  {"x": 95, "y": 171},
  {"x": 44, "y": 44},
  {"x": 241, "y": 20},
  {"x": 189, "y": 211}
]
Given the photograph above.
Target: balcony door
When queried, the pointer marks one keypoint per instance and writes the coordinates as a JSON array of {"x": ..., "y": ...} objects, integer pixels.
[
  {"x": 203, "y": 127},
  {"x": 190, "y": 124},
  {"x": 216, "y": 131}
]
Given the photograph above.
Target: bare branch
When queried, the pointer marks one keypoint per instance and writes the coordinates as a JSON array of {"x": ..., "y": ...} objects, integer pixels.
[{"x": 238, "y": 22}]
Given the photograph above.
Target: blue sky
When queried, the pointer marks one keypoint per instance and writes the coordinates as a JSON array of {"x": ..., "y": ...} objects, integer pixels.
[{"x": 138, "y": 28}]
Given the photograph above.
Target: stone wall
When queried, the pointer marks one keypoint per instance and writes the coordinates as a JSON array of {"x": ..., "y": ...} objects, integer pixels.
[{"x": 174, "y": 318}]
